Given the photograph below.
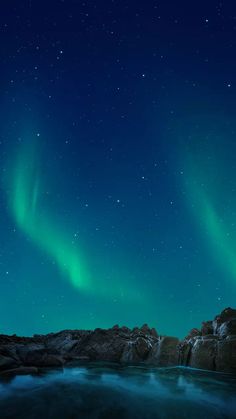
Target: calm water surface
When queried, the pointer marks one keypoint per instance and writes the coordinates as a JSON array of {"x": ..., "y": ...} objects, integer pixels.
[{"x": 107, "y": 392}]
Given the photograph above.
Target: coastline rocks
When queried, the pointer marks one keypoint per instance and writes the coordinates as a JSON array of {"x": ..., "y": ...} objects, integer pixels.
[
  {"x": 207, "y": 328},
  {"x": 226, "y": 355},
  {"x": 203, "y": 354},
  {"x": 6, "y": 362},
  {"x": 228, "y": 328},
  {"x": 43, "y": 359},
  {"x": 226, "y": 315},
  {"x": 213, "y": 347},
  {"x": 165, "y": 352},
  {"x": 193, "y": 333},
  {"x": 116, "y": 345}
]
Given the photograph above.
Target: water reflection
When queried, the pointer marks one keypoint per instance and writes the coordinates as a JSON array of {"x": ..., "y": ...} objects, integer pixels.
[{"x": 101, "y": 391}]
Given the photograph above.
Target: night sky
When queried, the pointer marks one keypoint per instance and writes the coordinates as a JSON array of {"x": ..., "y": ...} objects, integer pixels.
[{"x": 118, "y": 164}]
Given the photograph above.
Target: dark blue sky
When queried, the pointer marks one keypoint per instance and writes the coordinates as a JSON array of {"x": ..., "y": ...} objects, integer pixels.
[{"x": 117, "y": 139}]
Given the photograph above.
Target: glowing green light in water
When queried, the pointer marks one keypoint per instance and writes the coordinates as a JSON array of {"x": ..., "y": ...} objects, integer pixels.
[{"x": 24, "y": 202}]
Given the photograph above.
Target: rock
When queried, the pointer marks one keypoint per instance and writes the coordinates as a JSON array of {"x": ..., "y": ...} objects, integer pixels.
[
  {"x": 153, "y": 332},
  {"x": 207, "y": 328},
  {"x": 213, "y": 347},
  {"x": 18, "y": 371},
  {"x": 203, "y": 354},
  {"x": 9, "y": 350},
  {"x": 142, "y": 347},
  {"x": 23, "y": 350},
  {"x": 138, "y": 349},
  {"x": 226, "y": 315},
  {"x": 125, "y": 329},
  {"x": 115, "y": 344},
  {"x": 227, "y": 328},
  {"x": 101, "y": 345},
  {"x": 145, "y": 329},
  {"x": 115, "y": 327},
  {"x": 61, "y": 342},
  {"x": 38, "y": 355},
  {"x": 184, "y": 351},
  {"x": 6, "y": 363},
  {"x": 41, "y": 358},
  {"x": 166, "y": 352},
  {"x": 226, "y": 355},
  {"x": 210, "y": 337},
  {"x": 193, "y": 332},
  {"x": 128, "y": 356}
]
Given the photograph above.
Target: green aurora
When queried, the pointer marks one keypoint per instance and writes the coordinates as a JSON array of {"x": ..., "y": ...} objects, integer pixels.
[
  {"x": 209, "y": 209},
  {"x": 25, "y": 195},
  {"x": 221, "y": 242}
]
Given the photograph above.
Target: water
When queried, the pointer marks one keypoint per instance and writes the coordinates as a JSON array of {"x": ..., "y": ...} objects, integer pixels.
[{"x": 111, "y": 392}]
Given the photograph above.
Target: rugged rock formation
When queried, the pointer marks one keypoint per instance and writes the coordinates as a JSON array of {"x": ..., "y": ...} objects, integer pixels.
[{"x": 213, "y": 347}]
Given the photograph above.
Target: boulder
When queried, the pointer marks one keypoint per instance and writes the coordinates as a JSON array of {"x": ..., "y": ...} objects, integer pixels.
[
  {"x": 101, "y": 345},
  {"x": 6, "y": 363},
  {"x": 128, "y": 355},
  {"x": 207, "y": 328},
  {"x": 145, "y": 329},
  {"x": 42, "y": 358},
  {"x": 226, "y": 355},
  {"x": 154, "y": 332},
  {"x": 166, "y": 351},
  {"x": 61, "y": 343},
  {"x": 193, "y": 332},
  {"x": 227, "y": 328},
  {"x": 9, "y": 350},
  {"x": 115, "y": 327},
  {"x": 38, "y": 355},
  {"x": 142, "y": 347},
  {"x": 226, "y": 315},
  {"x": 203, "y": 354},
  {"x": 23, "y": 350},
  {"x": 213, "y": 347},
  {"x": 184, "y": 352}
]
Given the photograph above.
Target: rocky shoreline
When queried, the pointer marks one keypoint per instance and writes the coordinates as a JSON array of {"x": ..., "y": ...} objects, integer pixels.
[{"x": 213, "y": 347}]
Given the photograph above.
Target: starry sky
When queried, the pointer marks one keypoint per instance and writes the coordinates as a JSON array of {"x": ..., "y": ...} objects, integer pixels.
[{"x": 117, "y": 162}]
